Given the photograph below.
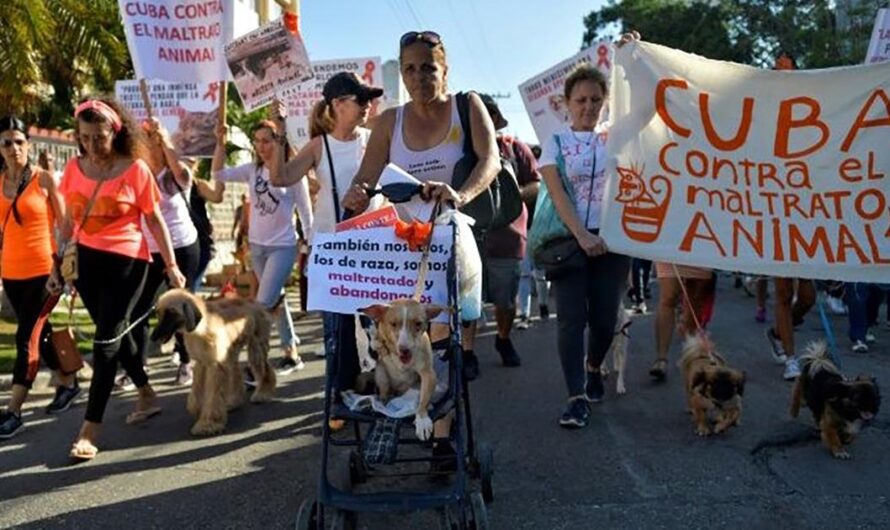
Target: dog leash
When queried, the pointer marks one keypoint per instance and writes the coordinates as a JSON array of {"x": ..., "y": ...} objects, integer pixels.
[
  {"x": 823, "y": 316},
  {"x": 128, "y": 328},
  {"x": 709, "y": 347},
  {"x": 425, "y": 257}
]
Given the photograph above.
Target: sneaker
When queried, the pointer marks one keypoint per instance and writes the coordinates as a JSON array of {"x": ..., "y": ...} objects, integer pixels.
[
  {"x": 639, "y": 308},
  {"x": 509, "y": 356},
  {"x": 860, "y": 347},
  {"x": 870, "y": 338},
  {"x": 64, "y": 396},
  {"x": 544, "y": 311},
  {"x": 779, "y": 355},
  {"x": 524, "y": 323},
  {"x": 471, "y": 366},
  {"x": 10, "y": 425},
  {"x": 183, "y": 375},
  {"x": 576, "y": 415},
  {"x": 123, "y": 383},
  {"x": 594, "y": 389},
  {"x": 836, "y": 306},
  {"x": 760, "y": 315},
  {"x": 288, "y": 365},
  {"x": 249, "y": 379},
  {"x": 174, "y": 359},
  {"x": 792, "y": 370}
]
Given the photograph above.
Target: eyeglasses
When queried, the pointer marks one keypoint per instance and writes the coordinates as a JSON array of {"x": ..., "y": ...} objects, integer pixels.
[
  {"x": 429, "y": 37},
  {"x": 397, "y": 191},
  {"x": 9, "y": 143}
]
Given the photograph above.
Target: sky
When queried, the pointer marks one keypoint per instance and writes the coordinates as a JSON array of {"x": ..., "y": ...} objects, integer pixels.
[{"x": 492, "y": 46}]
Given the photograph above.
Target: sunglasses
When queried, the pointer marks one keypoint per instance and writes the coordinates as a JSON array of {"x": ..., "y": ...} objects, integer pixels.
[
  {"x": 9, "y": 143},
  {"x": 360, "y": 101},
  {"x": 429, "y": 37},
  {"x": 397, "y": 192}
]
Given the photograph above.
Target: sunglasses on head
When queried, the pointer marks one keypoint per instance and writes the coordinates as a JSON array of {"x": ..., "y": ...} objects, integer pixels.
[
  {"x": 9, "y": 143},
  {"x": 397, "y": 192},
  {"x": 429, "y": 37}
]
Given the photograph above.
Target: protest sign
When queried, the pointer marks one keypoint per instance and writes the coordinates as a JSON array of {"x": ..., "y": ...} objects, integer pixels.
[
  {"x": 542, "y": 94},
  {"x": 782, "y": 173},
  {"x": 188, "y": 111},
  {"x": 267, "y": 61},
  {"x": 178, "y": 40},
  {"x": 300, "y": 99},
  {"x": 386, "y": 216},
  {"x": 358, "y": 268},
  {"x": 879, "y": 46}
]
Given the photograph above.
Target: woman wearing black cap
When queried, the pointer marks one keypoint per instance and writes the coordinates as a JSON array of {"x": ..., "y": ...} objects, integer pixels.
[{"x": 335, "y": 151}]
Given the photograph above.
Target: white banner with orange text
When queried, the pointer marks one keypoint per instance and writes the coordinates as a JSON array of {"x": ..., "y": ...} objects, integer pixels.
[{"x": 781, "y": 173}]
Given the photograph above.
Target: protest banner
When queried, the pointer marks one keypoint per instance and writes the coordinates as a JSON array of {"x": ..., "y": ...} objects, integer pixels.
[
  {"x": 358, "y": 268},
  {"x": 782, "y": 173},
  {"x": 189, "y": 112},
  {"x": 267, "y": 61},
  {"x": 542, "y": 94},
  {"x": 879, "y": 46},
  {"x": 178, "y": 40}
]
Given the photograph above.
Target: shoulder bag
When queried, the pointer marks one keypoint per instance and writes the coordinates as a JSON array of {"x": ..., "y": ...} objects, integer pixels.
[{"x": 68, "y": 267}]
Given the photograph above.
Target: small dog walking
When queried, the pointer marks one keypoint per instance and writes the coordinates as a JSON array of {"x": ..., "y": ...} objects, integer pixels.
[
  {"x": 839, "y": 406},
  {"x": 215, "y": 332},
  {"x": 713, "y": 389},
  {"x": 618, "y": 350}
]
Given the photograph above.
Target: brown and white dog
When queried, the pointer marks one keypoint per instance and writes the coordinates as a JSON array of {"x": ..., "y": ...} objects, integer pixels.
[
  {"x": 839, "y": 406},
  {"x": 618, "y": 350},
  {"x": 215, "y": 332},
  {"x": 712, "y": 387},
  {"x": 405, "y": 354}
]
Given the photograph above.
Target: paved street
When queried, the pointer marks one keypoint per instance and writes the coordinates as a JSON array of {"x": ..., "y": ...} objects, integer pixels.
[{"x": 638, "y": 465}]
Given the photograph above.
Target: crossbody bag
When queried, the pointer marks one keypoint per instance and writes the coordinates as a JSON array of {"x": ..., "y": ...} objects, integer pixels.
[{"x": 68, "y": 267}]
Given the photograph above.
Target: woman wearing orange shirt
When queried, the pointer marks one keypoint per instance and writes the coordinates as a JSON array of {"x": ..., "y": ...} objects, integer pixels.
[
  {"x": 109, "y": 191},
  {"x": 30, "y": 204}
]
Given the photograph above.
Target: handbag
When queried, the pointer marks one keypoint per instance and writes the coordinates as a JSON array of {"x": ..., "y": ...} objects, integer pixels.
[
  {"x": 62, "y": 341},
  {"x": 501, "y": 203},
  {"x": 553, "y": 247},
  {"x": 70, "y": 360},
  {"x": 68, "y": 267}
]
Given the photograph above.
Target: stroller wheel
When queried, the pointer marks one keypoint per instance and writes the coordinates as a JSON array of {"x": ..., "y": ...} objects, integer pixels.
[
  {"x": 307, "y": 518},
  {"x": 478, "y": 512},
  {"x": 486, "y": 472}
]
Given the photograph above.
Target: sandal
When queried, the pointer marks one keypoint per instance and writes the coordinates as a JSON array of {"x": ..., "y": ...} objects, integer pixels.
[
  {"x": 659, "y": 369},
  {"x": 83, "y": 450},
  {"x": 140, "y": 416}
]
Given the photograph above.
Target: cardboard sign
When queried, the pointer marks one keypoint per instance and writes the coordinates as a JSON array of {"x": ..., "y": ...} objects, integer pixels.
[
  {"x": 543, "y": 93},
  {"x": 879, "y": 46},
  {"x": 781, "y": 173},
  {"x": 267, "y": 61},
  {"x": 386, "y": 216},
  {"x": 178, "y": 40},
  {"x": 300, "y": 99},
  {"x": 187, "y": 110},
  {"x": 359, "y": 268}
]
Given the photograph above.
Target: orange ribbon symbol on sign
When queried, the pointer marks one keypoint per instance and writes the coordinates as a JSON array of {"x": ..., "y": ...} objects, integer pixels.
[
  {"x": 212, "y": 90},
  {"x": 602, "y": 51},
  {"x": 368, "y": 76},
  {"x": 415, "y": 233},
  {"x": 292, "y": 22}
]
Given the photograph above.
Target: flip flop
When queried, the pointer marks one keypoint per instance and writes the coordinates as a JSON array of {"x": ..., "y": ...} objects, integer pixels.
[
  {"x": 82, "y": 450},
  {"x": 658, "y": 370},
  {"x": 140, "y": 416}
]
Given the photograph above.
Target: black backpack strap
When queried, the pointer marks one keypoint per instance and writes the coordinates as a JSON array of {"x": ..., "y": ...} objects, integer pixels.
[
  {"x": 463, "y": 110},
  {"x": 327, "y": 148}
]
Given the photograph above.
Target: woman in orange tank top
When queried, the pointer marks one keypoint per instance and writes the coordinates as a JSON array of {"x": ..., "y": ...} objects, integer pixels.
[{"x": 30, "y": 204}]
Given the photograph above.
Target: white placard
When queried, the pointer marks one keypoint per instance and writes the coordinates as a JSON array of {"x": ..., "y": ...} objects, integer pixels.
[{"x": 879, "y": 46}]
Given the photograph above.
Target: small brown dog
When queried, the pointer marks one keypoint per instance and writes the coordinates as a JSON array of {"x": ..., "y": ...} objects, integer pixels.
[
  {"x": 712, "y": 387},
  {"x": 840, "y": 407},
  {"x": 405, "y": 354},
  {"x": 215, "y": 332}
]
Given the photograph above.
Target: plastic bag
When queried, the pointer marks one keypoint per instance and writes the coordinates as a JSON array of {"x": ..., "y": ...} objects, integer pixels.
[{"x": 469, "y": 264}]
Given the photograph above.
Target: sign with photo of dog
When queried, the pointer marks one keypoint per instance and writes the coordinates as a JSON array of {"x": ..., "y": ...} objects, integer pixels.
[
  {"x": 726, "y": 166},
  {"x": 355, "y": 269}
]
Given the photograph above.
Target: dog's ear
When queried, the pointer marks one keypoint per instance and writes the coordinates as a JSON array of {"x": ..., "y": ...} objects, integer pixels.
[
  {"x": 168, "y": 323},
  {"x": 739, "y": 379},
  {"x": 432, "y": 311},
  {"x": 375, "y": 311},
  {"x": 191, "y": 314}
]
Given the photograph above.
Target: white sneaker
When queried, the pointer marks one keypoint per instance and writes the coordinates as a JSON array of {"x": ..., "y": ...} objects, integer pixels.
[
  {"x": 792, "y": 369},
  {"x": 836, "y": 306},
  {"x": 860, "y": 347},
  {"x": 870, "y": 338},
  {"x": 523, "y": 323}
]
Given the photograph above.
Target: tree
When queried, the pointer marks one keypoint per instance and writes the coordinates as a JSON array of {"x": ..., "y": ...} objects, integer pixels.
[{"x": 700, "y": 27}]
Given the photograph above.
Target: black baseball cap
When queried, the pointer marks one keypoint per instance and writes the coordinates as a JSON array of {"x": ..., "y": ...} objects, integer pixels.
[
  {"x": 349, "y": 84},
  {"x": 493, "y": 110}
]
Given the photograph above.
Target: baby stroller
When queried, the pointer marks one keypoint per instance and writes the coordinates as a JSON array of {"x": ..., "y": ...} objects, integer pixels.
[{"x": 337, "y": 504}]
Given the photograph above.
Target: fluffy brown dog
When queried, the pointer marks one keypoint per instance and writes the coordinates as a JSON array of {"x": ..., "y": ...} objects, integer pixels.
[
  {"x": 712, "y": 387},
  {"x": 840, "y": 407},
  {"x": 405, "y": 355},
  {"x": 215, "y": 332}
]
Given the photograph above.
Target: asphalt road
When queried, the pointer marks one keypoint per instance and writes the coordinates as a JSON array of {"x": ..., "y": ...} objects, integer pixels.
[{"x": 638, "y": 465}]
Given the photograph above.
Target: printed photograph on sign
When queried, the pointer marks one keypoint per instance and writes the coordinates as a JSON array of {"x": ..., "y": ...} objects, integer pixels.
[
  {"x": 266, "y": 62},
  {"x": 187, "y": 110}
]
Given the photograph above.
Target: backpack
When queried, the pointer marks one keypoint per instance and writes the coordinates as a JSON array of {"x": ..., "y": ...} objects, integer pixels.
[{"x": 501, "y": 203}]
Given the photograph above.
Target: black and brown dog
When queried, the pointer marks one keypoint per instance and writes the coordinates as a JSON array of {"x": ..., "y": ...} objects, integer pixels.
[
  {"x": 714, "y": 390},
  {"x": 839, "y": 406}
]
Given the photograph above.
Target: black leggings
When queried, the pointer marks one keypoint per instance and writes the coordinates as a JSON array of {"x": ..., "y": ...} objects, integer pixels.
[
  {"x": 109, "y": 285},
  {"x": 27, "y": 298},
  {"x": 187, "y": 259}
]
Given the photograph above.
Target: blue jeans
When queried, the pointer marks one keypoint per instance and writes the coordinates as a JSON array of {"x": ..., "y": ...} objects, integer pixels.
[
  {"x": 528, "y": 274},
  {"x": 273, "y": 266},
  {"x": 856, "y": 296}
]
